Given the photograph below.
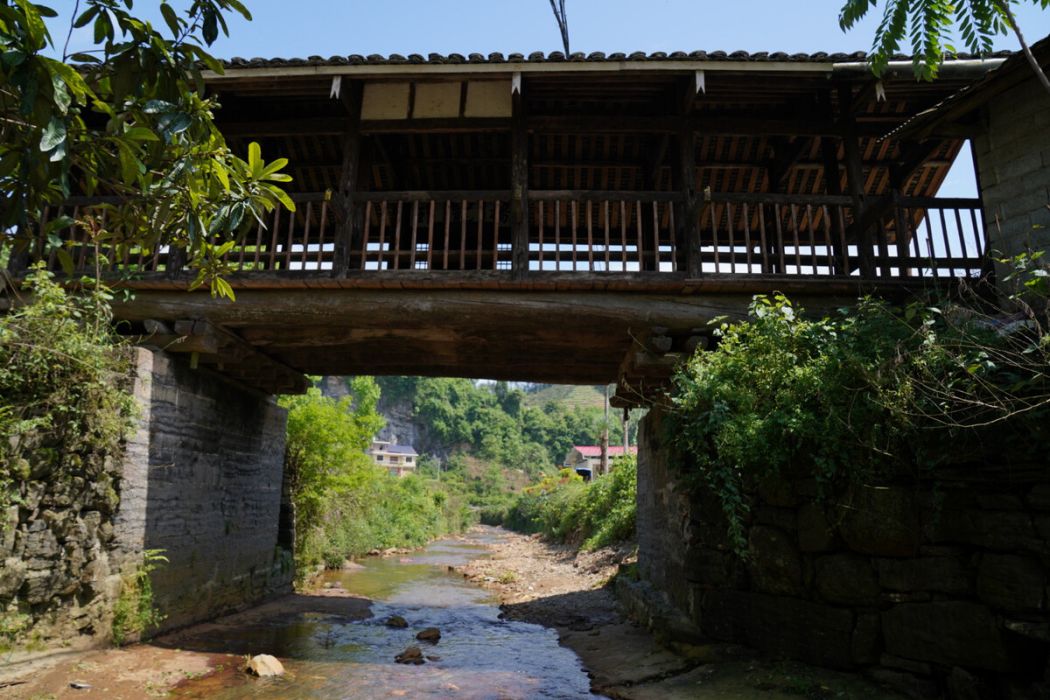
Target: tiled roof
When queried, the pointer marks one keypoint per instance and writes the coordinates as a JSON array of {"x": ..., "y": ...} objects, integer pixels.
[
  {"x": 401, "y": 450},
  {"x": 596, "y": 451},
  {"x": 559, "y": 57}
]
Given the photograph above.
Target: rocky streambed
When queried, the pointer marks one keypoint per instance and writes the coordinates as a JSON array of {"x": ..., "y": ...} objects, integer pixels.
[{"x": 490, "y": 615}]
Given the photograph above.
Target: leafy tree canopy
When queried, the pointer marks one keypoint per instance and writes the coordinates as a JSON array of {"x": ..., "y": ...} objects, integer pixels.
[
  {"x": 929, "y": 28},
  {"x": 127, "y": 118}
]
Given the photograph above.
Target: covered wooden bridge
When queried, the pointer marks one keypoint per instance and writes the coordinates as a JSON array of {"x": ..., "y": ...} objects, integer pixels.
[{"x": 560, "y": 220}]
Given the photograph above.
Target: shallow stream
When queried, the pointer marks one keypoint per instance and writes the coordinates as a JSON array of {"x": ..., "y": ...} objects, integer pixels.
[{"x": 478, "y": 656}]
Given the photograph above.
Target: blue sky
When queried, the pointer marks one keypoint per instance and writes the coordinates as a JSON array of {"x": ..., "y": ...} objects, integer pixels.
[{"x": 298, "y": 28}]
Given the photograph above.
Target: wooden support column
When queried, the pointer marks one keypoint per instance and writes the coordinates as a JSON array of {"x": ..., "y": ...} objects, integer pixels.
[
  {"x": 687, "y": 223},
  {"x": 687, "y": 229},
  {"x": 519, "y": 182},
  {"x": 176, "y": 261},
  {"x": 855, "y": 180},
  {"x": 348, "y": 234},
  {"x": 829, "y": 151}
]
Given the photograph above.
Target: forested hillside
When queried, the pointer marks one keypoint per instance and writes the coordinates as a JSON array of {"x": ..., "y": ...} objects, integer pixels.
[{"x": 528, "y": 427}]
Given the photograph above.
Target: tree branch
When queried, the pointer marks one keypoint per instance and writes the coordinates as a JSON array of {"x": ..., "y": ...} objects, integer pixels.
[{"x": 1004, "y": 7}]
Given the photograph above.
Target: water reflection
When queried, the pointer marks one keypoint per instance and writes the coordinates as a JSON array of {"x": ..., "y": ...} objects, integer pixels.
[{"x": 479, "y": 655}]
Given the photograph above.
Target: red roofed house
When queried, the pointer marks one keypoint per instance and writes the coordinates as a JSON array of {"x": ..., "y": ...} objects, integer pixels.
[{"x": 586, "y": 460}]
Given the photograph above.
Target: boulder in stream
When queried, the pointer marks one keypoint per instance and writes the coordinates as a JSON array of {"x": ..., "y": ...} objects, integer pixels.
[
  {"x": 264, "y": 666},
  {"x": 396, "y": 621},
  {"x": 411, "y": 655},
  {"x": 430, "y": 634}
]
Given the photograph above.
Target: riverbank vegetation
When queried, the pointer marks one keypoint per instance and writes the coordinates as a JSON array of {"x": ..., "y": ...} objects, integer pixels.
[
  {"x": 344, "y": 505},
  {"x": 872, "y": 393},
  {"x": 567, "y": 509},
  {"x": 491, "y": 442},
  {"x": 64, "y": 404}
]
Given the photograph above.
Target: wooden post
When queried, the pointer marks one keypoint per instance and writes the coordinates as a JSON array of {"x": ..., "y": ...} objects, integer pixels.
[
  {"x": 348, "y": 234},
  {"x": 519, "y": 183},
  {"x": 833, "y": 186},
  {"x": 687, "y": 229},
  {"x": 176, "y": 261},
  {"x": 686, "y": 221},
  {"x": 903, "y": 235},
  {"x": 855, "y": 180}
]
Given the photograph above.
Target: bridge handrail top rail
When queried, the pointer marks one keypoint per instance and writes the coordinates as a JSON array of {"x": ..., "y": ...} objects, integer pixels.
[{"x": 590, "y": 196}]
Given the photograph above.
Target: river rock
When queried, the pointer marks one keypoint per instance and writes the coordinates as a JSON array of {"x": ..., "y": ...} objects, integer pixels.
[
  {"x": 264, "y": 666},
  {"x": 430, "y": 634},
  {"x": 412, "y": 655},
  {"x": 396, "y": 621}
]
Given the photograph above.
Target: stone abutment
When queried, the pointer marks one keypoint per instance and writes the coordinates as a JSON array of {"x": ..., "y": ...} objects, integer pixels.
[{"x": 936, "y": 588}]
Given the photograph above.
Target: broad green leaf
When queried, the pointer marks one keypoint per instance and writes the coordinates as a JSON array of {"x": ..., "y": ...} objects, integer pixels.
[
  {"x": 222, "y": 175},
  {"x": 85, "y": 17},
  {"x": 54, "y": 134},
  {"x": 34, "y": 24},
  {"x": 60, "y": 93},
  {"x": 73, "y": 80},
  {"x": 274, "y": 166},
  {"x": 282, "y": 197},
  {"x": 171, "y": 18},
  {"x": 140, "y": 133},
  {"x": 255, "y": 164}
]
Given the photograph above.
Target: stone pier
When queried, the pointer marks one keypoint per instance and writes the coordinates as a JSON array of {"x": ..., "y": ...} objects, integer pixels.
[{"x": 202, "y": 483}]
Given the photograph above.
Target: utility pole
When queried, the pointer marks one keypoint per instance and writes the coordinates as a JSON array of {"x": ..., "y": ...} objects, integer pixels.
[
  {"x": 626, "y": 440},
  {"x": 604, "y": 469}
]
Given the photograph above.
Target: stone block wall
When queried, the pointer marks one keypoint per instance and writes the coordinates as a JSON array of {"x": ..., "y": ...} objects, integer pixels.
[
  {"x": 206, "y": 490},
  {"x": 200, "y": 478},
  {"x": 1013, "y": 161},
  {"x": 934, "y": 588}
]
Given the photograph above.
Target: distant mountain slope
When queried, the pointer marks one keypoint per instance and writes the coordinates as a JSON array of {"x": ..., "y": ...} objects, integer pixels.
[{"x": 567, "y": 396}]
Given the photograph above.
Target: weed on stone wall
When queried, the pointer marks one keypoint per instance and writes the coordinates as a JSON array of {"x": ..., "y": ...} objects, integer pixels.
[{"x": 135, "y": 612}]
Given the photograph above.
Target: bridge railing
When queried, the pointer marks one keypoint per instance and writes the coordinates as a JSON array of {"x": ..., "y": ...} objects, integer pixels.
[
  {"x": 821, "y": 236},
  {"x": 602, "y": 231},
  {"x": 568, "y": 232}
]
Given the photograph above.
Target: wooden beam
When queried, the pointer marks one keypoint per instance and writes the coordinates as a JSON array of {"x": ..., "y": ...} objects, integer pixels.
[{"x": 711, "y": 125}]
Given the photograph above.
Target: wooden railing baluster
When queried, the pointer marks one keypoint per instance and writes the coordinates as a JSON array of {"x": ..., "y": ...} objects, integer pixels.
[{"x": 749, "y": 243}]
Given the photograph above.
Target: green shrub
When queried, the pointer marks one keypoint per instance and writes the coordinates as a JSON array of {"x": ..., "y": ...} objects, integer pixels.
[
  {"x": 565, "y": 508},
  {"x": 874, "y": 393},
  {"x": 64, "y": 410},
  {"x": 134, "y": 612},
  {"x": 345, "y": 505}
]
